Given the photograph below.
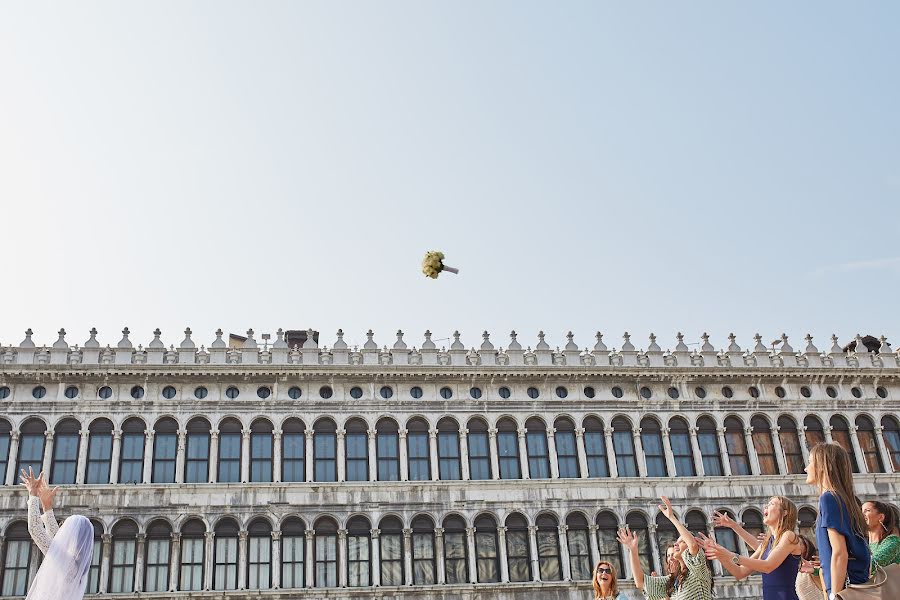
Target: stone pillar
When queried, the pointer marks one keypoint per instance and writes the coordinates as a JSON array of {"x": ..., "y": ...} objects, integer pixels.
[
  {"x": 340, "y": 454},
  {"x": 376, "y": 557},
  {"x": 407, "y": 556},
  {"x": 883, "y": 451},
  {"x": 242, "y": 560},
  {"x": 639, "y": 452},
  {"x": 308, "y": 459},
  {"x": 140, "y": 549},
  {"x": 532, "y": 545},
  {"x": 48, "y": 454},
  {"x": 213, "y": 455},
  {"x": 432, "y": 453},
  {"x": 175, "y": 562},
  {"x": 667, "y": 452},
  {"x": 582, "y": 453},
  {"x": 826, "y": 430},
  {"x": 441, "y": 572},
  {"x": 551, "y": 453},
  {"x": 148, "y": 455},
  {"x": 695, "y": 452},
  {"x": 501, "y": 554},
  {"x": 751, "y": 451},
  {"x": 464, "y": 453},
  {"x": 804, "y": 446},
  {"x": 718, "y": 570},
  {"x": 308, "y": 557},
  {"x": 276, "y": 456},
  {"x": 245, "y": 455},
  {"x": 373, "y": 457},
  {"x": 857, "y": 450},
  {"x": 11, "y": 476},
  {"x": 780, "y": 459},
  {"x": 564, "y": 553},
  {"x": 610, "y": 452},
  {"x": 82, "y": 458},
  {"x": 404, "y": 455},
  {"x": 595, "y": 546},
  {"x": 654, "y": 545},
  {"x": 626, "y": 563},
  {"x": 276, "y": 559},
  {"x": 105, "y": 558},
  {"x": 473, "y": 565},
  {"x": 179, "y": 456},
  {"x": 210, "y": 540},
  {"x": 342, "y": 557},
  {"x": 523, "y": 455},
  {"x": 723, "y": 452},
  {"x": 495, "y": 453},
  {"x": 116, "y": 456}
]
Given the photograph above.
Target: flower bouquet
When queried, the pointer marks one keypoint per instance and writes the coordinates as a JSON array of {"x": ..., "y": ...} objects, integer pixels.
[{"x": 433, "y": 264}]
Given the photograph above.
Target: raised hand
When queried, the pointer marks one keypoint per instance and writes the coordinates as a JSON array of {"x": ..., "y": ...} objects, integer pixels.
[
  {"x": 715, "y": 551},
  {"x": 666, "y": 508},
  {"x": 47, "y": 495},
  {"x": 723, "y": 520},
  {"x": 32, "y": 484},
  {"x": 628, "y": 538}
]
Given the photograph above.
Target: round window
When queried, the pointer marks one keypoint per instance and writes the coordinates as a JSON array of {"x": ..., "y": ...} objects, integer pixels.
[
  {"x": 700, "y": 392},
  {"x": 533, "y": 392},
  {"x": 673, "y": 393},
  {"x": 326, "y": 392},
  {"x": 386, "y": 391},
  {"x": 295, "y": 392},
  {"x": 805, "y": 392},
  {"x": 232, "y": 392},
  {"x": 617, "y": 392},
  {"x": 200, "y": 393},
  {"x": 727, "y": 392},
  {"x": 832, "y": 392},
  {"x": 779, "y": 391},
  {"x": 504, "y": 392},
  {"x": 561, "y": 392},
  {"x": 857, "y": 393},
  {"x": 754, "y": 391},
  {"x": 589, "y": 392},
  {"x": 415, "y": 392},
  {"x": 39, "y": 392},
  {"x": 446, "y": 393},
  {"x": 882, "y": 393},
  {"x": 263, "y": 392},
  {"x": 646, "y": 393},
  {"x": 71, "y": 392},
  {"x": 475, "y": 392},
  {"x": 356, "y": 392},
  {"x": 105, "y": 392},
  {"x": 168, "y": 392},
  {"x": 4, "y": 392},
  {"x": 137, "y": 392}
]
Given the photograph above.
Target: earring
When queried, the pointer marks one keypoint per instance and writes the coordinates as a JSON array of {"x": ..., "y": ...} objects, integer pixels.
[{"x": 884, "y": 526}]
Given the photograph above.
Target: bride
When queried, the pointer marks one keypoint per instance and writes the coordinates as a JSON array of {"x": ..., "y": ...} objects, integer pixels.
[{"x": 67, "y": 549}]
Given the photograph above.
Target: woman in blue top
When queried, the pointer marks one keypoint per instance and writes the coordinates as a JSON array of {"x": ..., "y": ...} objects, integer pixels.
[{"x": 841, "y": 526}]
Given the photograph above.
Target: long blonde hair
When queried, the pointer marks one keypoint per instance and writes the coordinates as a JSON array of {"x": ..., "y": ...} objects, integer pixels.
[
  {"x": 613, "y": 584},
  {"x": 831, "y": 473},
  {"x": 786, "y": 524}
]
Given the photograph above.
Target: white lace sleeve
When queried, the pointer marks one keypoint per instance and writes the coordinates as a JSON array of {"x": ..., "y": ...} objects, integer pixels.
[
  {"x": 36, "y": 526},
  {"x": 50, "y": 523}
]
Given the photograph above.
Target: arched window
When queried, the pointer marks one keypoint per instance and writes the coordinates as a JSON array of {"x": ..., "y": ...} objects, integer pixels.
[
  {"x": 325, "y": 454},
  {"x": 418, "y": 454},
  {"x": 815, "y": 433},
  {"x": 165, "y": 447},
  {"x": 388, "y": 449},
  {"x": 293, "y": 451},
  {"x": 865, "y": 433},
  {"x": 806, "y": 518},
  {"x": 608, "y": 546},
  {"x": 579, "y": 546},
  {"x": 5, "y": 435},
  {"x": 356, "y": 444},
  {"x": 326, "y": 556},
  {"x": 725, "y": 536},
  {"x": 790, "y": 444},
  {"x": 536, "y": 445},
  {"x": 764, "y": 445},
  {"x": 448, "y": 449},
  {"x": 638, "y": 523},
  {"x": 456, "y": 554},
  {"x": 665, "y": 535},
  {"x": 736, "y": 444},
  {"x": 99, "y": 456},
  {"x": 359, "y": 545},
  {"x": 124, "y": 539},
  {"x": 390, "y": 542},
  {"x": 595, "y": 448},
  {"x": 518, "y": 548},
  {"x": 93, "y": 584},
  {"x": 651, "y": 440},
  {"x": 682, "y": 453},
  {"x": 196, "y": 456},
  {"x": 423, "y": 551},
  {"x": 708, "y": 440},
  {"x": 65, "y": 452},
  {"x": 230, "y": 441},
  {"x": 695, "y": 521},
  {"x": 891, "y": 434},
  {"x": 293, "y": 553},
  {"x": 262, "y": 449},
  {"x": 193, "y": 553},
  {"x": 157, "y": 557},
  {"x": 623, "y": 446},
  {"x": 259, "y": 559},
  {"x": 479, "y": 450},
  {"x": 225, "y": 555},
  {"x": 508, "y": 449},
  {"x": 753, "y": 523},
  {"x": 566, "y": 450},
  {"x": 31, "y": 446},
  {"x": 486, "y": 552},
  {"x": 131, "y": 463},
  {"x": 17, "y": 560},
  {"x": 840, "y": 434}
]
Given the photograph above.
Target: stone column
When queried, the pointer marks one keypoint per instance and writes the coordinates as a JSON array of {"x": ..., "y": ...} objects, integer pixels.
[
  {"x": 407, "y": 556},
  {"x": 148, "y": 455},
  {"x": 140, "y": 549},
  {"x": 441, "y": 572},
  {"x": 804, "y": 446},
  {"x": 626, "y": 563},
  {"x": 342, "y": 557},
  {"x": 473, "y": 565},
  {"x": 48, "y": 454},
  {"x": 551, "y": 453},
  {"x": 308, "y": 458},
  {"x": 82, "y": 457},
  {"x": 826, "y": 430},
  {"x": 532, "y": 545},
  {"x": 276, "y": 559},
  {"x": 309, "y": 558},
  {"x": 432, "y": 453},
  {"x": 105, "y": 558},
  {"x": 341, "y": 455},
  {"x": 213, "y": 455},
  {"x": 116, "y": 456},
  {"x": 723, "y": 452},
  {"x": 464, "y": 454},
  {"x": 245, "y": 455},
  {"x": 780, "y": 459},
  {"x": 175, "y": 562},
  {"x": 695, "y": 451},
  {"x": 718, "y": 570},
  {"x": 276, "y": 456},
  {"x": 883, "y": 451},
  {"x": 404, "y": 455},
  {"x": 582, "y": 453},
  {"x": 857, "y": 450},
  {"x": 564, "y": 553},
  {"x": 523, "y": 455},
  {"x": 376, "y": 557},
  {"x": 373, "y": 457},
  {"x": 654, "y": 545},
  {"x": 179, "y": 456},
  {"x": 610, "y": 452},
  {"x": 242, "y": 560},
  {"x": 501, "y": 554},
  {"x": 495, "y": 453},
  {"x": 751, "y": 451},
  {"x": 595, "y": 546},
  {"x": 639, "y": 452},
  {"x": 667, "y": 452},
  {"x": 11, "y": 475},
  {"x": 210, "y": 539}
]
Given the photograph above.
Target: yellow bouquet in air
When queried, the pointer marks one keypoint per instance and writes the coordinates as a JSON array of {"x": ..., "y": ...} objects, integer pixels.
[{"x": 433, "y": 264}]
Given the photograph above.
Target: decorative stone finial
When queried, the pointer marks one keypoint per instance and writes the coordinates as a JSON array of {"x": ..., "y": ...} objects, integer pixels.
[
  {"x": 785, "y": 347},
  {"x": 187, "y": 343},
  {"x": 457, "y": 345},
  {"x": 513, "y": 341},
  {"x": 27, "y": 342},
  {"x": 732, "y": 343},
  {"x": 92, "y": 341},
  {"x": 370, "y": 343},
  {"x": 600, "y": 346},
  {"x": 125, "y": 342},
  {"x": 706, "y": 346},
  {"x": 653, "y": 347},
  {"x": 570, "y": 344},
  {"x": 627, "y": 346},
  {"x": 310, "y": 343},
  {"x": 861, "y": 347},
  {"x": 759, "y": 345},
  {"x": 680, "y": 346},
  {"x": 340, "y": 344},
  {"x": 835, "y": 347},
  {"x": 428, "y": 344},
  {"x": 810, "y": 347},
  {"x": 61, "y": 342},
  {"x": 486, "y": 345},
  {"x": 400, "y": 344},
  {"x": 219, "y": 342},
  {"x": 541, "y": 345},
  {"x": 157, "y": 343}
]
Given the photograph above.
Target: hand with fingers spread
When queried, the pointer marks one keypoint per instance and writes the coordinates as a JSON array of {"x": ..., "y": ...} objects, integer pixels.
[
  {"x": 32, "y": 484},
  {"x": 666, "y": 508},
  {"x": 723, "y": 520},
  {"x": 47, "y": 495},
  {"x": 628, "y": 538}
]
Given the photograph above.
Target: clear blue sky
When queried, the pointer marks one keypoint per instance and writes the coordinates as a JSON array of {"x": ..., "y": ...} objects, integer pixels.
[{"x": 701, "y": 166}]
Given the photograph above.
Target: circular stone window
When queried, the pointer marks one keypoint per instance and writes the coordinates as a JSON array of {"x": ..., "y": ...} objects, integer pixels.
[
  {"x": 415, "y": 392},
  {"x": 446, "y": 393},
  {"x": 882, "y": 393},
  {"x": 386, "y": 391},
  {"x": 39, "y": 392},
  {"x": 673, "y": 393},
  {"x": 533, "y": 393},
  {"x": 832, "y": 392},
  {"x": 617, "y": 392},
  {"x": 700, "y": 392},
  {"x": 232, "y": 392},
  {"x": 857, "y": 393},
  {"x": 168, "y": 392},
  {"x": 475, "y": 392},
  {"x": 779, "y": 391},
  {"x": 71, "y": 392},
  {"x": 727, "y": 392},
  {"x": 326, "y": 392},
  {"x": 263, "y": 392},
  {"x": 294, "y": 393},
  {"x": 589, "y": 392},
  {"x": 4, "y": 392},
  {"x": 805, "y": 391},
  {"x": 356, "y": 392},
  {"x": 561, "y": 392},
  {"x": 137, "y": 392},
  {"x": 754, "y": 391},
  {"x": 504, "y": 392},
  {"x": 646, "y": 393},
  {"x": 105, "y": 392},
  {"x": 200, "y": 393}
]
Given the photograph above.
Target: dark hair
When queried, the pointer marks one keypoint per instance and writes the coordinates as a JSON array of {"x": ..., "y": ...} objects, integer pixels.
[
  {"x": 809, "y": 548},
  {"x": 682, "y": 576},
  {"x": 891, "y": 518}
]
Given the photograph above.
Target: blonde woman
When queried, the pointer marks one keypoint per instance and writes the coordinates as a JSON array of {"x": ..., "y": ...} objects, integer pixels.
[{"x": 606, "y": 582}]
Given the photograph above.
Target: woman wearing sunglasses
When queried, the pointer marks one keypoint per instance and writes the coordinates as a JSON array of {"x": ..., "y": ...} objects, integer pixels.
[{"x": 606, "y": 584}]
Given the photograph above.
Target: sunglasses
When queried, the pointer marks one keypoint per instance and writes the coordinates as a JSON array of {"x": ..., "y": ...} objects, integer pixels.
[{"x": 604, "y": 570}]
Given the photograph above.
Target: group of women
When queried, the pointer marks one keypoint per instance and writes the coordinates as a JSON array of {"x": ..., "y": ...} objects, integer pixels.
[{"x": 852, "y": 540}]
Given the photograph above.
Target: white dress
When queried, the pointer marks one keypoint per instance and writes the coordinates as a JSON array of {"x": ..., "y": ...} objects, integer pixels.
[{"x": 67, "y": 554}]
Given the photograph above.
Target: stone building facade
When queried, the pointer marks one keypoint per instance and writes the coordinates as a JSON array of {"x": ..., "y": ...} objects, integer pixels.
[{"x": 315, "y": 472}]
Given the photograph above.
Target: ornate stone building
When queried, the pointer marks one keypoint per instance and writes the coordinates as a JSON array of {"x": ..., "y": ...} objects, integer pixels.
[{"x": 315, "y": 472}]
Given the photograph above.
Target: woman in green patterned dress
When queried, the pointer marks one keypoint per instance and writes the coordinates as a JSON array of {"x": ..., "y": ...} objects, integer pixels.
[{"x": 882, "y": 521}]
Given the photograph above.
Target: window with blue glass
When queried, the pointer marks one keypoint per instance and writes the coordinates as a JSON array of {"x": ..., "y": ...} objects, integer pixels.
[
  {"x": 31, "y": 446},
  {"x": 682, "y": 453},
  {"x": 566, "y": 449},
  {"x": 536, "y": 445},
  {"x": 5, "y": 434},
  {"x": 197, "y": 451},
  {"x": 225, "y": 556},
  {"x": 479, "y": 450},
  {"x": 65, "y": 452},
  {"x": 417, "y": 450},
  {"x": 623, "y": 446},
  {"x": 891, "y": 433},
  {"x": 293, "y": 451},
  {"x": 736, "y": 444},
  {"x": 131, "y": 465},
  {"x": 388, "y": 450},
  {"x": 595, "y": 448},
  {"x": 99, "y": 456},
  {"x": 356, "y": 442},
  {"x": 651, "y": 440},
  {"x": 325, "y": 450},
  {"x": 708, "y": 440},
  {"x": 165, "y": 446},
  {"x": 508, "y": 450},
  {"x": 262, "y": 447},
  {"x": 293, "y": 553},
  {"x": 230, "y": 438},
  {"x": 448, "y": 450}
]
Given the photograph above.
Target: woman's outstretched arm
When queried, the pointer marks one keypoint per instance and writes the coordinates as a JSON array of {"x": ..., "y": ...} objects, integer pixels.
[{"x": 36, "y": 527}]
